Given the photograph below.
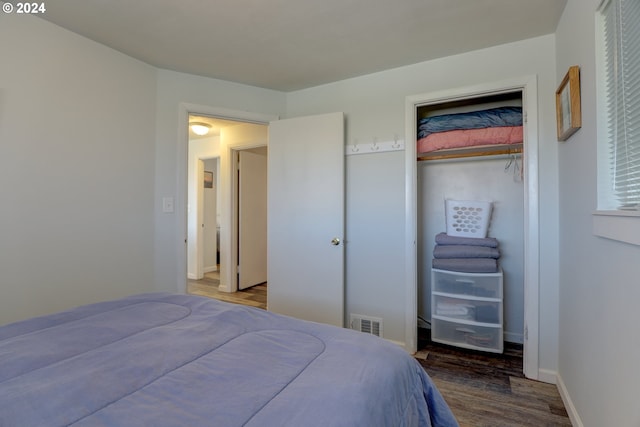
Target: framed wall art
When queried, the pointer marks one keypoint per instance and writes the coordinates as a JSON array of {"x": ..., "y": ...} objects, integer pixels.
[
  {"x": 568, "y": 113},
  {"x": 208, "y": 179}
]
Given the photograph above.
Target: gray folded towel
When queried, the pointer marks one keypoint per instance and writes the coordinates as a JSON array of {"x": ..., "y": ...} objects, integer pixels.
[
  {"x": 445, "y": 239},
  {"x": 465, "y": 251},
  {"x": 466, "y": 265}
]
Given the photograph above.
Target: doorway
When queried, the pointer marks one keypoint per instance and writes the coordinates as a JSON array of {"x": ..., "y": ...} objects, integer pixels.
[
  {"x": 299, "y": 130},
  {"x": 212, "y": 197}
]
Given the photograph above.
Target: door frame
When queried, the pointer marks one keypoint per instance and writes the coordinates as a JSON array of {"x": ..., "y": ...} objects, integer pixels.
[
  {"x": 196, "y": 219},
  {"x": 528, "y": 86},
  {"x": 199, "y": 243},
  {"x": 226, "y": 216},
  {"x": 202, "y": 218}
]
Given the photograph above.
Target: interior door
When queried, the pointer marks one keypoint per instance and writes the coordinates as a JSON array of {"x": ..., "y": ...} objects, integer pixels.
[
  {"x": 306, "y": 218},
  {"x": 252, "y": 219}
]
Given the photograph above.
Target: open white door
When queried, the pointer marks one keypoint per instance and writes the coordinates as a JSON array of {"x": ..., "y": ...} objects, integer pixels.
[
  {"x": 306, "y": 218},
  {"x": 252, "y": 219}
]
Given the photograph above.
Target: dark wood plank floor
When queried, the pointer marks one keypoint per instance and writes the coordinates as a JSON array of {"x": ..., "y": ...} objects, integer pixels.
[
  {"x": 488, "y": 389},
  {"x": 482, "y": 389}
]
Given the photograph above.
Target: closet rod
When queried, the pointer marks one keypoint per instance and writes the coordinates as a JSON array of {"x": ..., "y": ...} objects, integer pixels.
[{"x": 452, "y": 154}]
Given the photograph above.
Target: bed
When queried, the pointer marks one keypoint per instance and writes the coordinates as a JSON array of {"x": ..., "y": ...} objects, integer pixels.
[{"x": 179, "y": 360}]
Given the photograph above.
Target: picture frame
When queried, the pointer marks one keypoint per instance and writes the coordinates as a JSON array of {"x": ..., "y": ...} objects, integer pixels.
[
  {"x": 568, "y": 111},
  {"x": 208, "y": 179}
]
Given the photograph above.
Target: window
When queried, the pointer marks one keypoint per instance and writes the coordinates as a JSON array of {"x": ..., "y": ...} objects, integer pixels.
[{"x": 619, "y": 105}]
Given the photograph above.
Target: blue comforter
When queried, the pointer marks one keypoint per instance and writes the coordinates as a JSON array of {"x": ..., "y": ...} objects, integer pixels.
[
  {"x": 177, "y": 360},
  {"x": 493, "y": 117}
]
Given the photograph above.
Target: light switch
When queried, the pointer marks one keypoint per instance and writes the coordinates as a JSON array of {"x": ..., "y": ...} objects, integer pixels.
[{"x": 167, "y": 204}]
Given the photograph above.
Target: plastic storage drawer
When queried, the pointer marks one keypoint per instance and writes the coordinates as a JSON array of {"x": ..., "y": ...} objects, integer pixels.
[
  {"x": 467, "y": 309},
  {"x": 482, "y": 311},
  {"x": 473, "y": 336},
  {"x": 486, "y": 285}
]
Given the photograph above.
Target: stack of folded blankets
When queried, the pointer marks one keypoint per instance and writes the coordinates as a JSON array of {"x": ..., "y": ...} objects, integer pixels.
[{"x": 466, "y": 254}]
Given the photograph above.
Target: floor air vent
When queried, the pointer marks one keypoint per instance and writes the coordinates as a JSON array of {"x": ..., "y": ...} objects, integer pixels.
[{"x": 368, "y": 325}]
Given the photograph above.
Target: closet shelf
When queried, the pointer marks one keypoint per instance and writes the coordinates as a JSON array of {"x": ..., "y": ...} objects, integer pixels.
[{"x": 477, "y": 151}]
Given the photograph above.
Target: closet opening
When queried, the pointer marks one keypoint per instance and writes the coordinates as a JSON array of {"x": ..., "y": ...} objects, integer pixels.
[{"x": 473, "y": 147}]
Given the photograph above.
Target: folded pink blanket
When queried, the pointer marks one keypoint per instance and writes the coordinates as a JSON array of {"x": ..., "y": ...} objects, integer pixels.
[
  {"x": 445, "y": 239},
  {"x": 470, "y": 138},
  {"x": 466, "y": 265},
  {"x": 465, "y": 251}
]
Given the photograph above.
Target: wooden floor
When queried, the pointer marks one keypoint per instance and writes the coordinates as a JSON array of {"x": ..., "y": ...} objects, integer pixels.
[
  {"x": 487, "y": 389},
  {"x": 255, "y": 296},
  {"x": 482, "y": 389}
]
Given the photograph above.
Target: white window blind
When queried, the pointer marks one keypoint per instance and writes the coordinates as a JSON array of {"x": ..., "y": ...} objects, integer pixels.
[{"x": 620, "y": 26}]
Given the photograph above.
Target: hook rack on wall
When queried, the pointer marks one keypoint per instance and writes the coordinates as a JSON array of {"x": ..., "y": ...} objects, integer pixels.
[{"x": 374, "y": 147}]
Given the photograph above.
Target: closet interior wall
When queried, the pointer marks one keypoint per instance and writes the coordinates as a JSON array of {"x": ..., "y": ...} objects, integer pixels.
[{"x": 489, "y": 178}]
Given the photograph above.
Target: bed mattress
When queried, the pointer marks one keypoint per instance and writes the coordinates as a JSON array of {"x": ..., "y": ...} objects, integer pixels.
[{"x": 179, "y": 360}]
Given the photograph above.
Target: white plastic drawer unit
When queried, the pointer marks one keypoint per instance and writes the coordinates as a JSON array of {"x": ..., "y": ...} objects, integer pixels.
[
  {"x": 487, "y": 285},
  {"x": 476, "y": 337},
  {"x": 482, "y": 311},
  {"x": 467, "y": 309}
]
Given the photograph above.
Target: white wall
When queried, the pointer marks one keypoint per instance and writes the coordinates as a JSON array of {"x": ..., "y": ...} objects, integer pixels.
[
  {"x": 91, "y": 142},
  {"x": 599, "y": 346},
  {"x": 374, "y": 108},
  {"x": 76, "y": 170}
]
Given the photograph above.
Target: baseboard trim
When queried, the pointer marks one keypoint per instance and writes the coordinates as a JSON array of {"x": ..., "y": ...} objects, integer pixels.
[
  {"x": 568, "y": 403},
  {"x": 514, "y": 337},
  {"x": 192, "y": 276},
  {"x": 547, "y": 376},
  {"x": 224, "y": 288},
  {"x": 398, "y": 343}
]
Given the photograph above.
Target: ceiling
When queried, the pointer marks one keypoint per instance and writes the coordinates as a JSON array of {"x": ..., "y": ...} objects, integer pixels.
[{"x": 288, "y": 45}]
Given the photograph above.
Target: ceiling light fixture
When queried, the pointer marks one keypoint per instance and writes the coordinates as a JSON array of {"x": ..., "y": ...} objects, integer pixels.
[{"x": 200, "y": 128}]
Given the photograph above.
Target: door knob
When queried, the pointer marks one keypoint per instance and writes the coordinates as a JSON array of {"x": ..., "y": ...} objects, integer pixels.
[{"x": 335, "y": 241}]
